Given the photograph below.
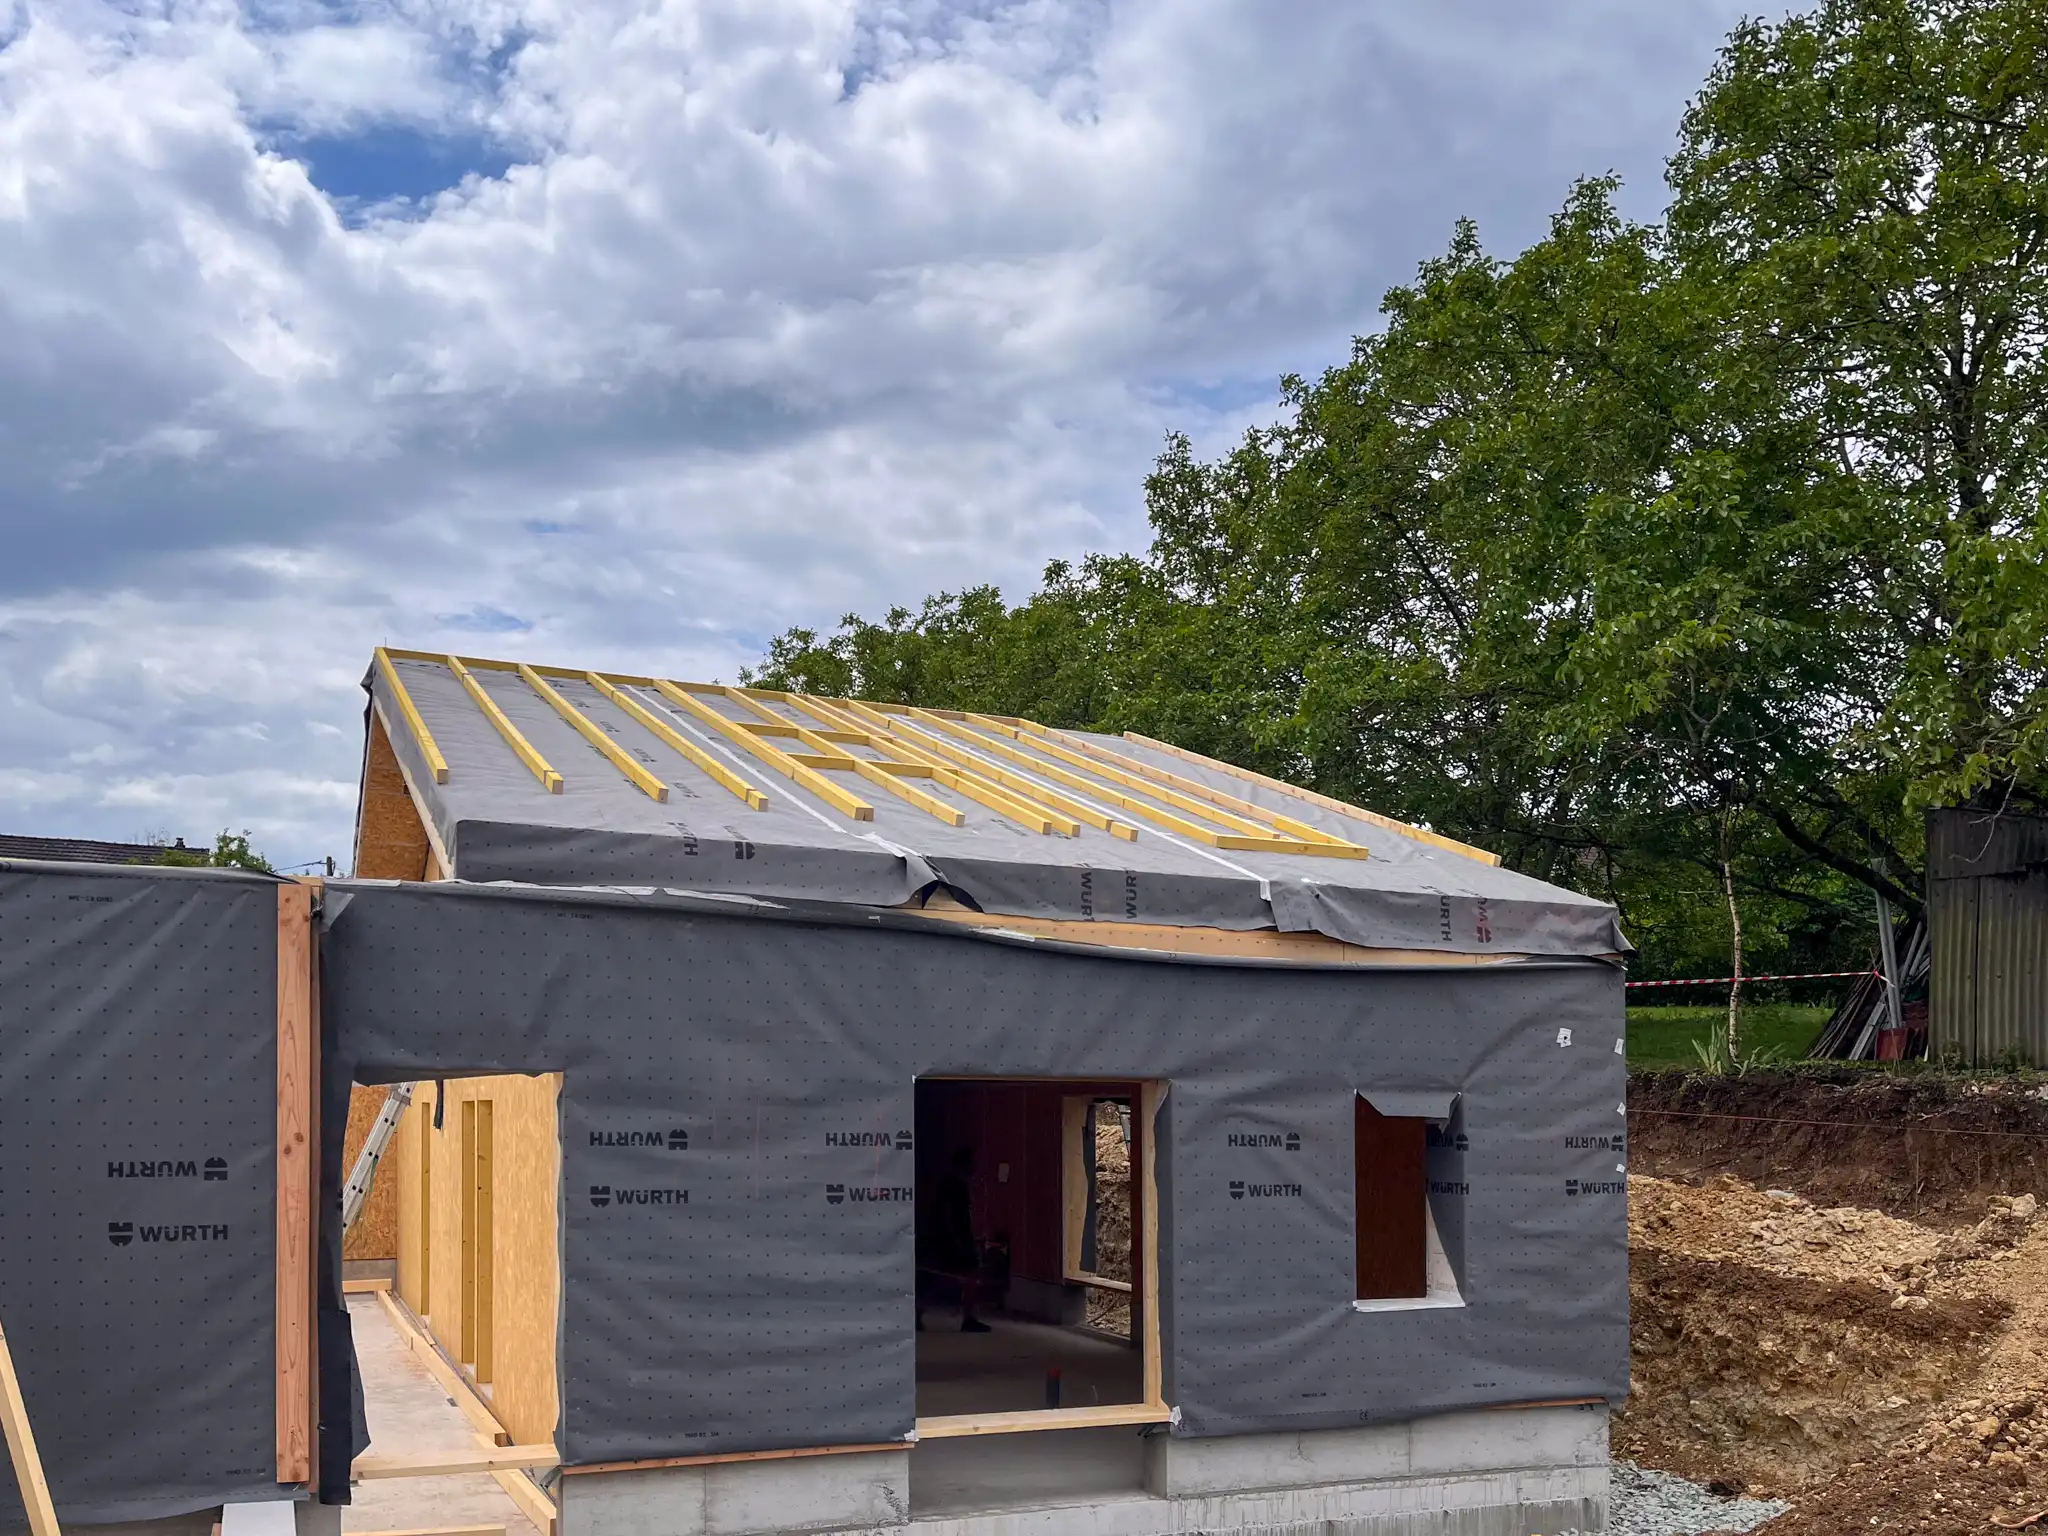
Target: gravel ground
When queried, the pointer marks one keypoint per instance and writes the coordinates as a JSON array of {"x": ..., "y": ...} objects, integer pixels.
[{"x": 1647, "y": 1503}]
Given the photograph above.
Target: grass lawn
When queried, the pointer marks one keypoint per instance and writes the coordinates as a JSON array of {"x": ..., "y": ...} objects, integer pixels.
[{"x": 1663, "y": 1037}]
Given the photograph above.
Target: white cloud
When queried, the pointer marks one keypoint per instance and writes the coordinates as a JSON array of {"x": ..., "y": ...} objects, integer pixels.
[{"x": 782, "y": 308}]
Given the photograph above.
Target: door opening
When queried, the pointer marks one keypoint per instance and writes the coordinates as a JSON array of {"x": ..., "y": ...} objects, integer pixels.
[{"x": 1037, "y": 1254}]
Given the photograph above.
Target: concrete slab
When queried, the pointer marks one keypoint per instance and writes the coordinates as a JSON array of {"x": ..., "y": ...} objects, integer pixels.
[
  {"x": 814, "y": 1494},
  {"x": 997, "y": 1473},
  {"x": 410, "y": 1414},
  {"x": 1004, "y": 1371}
]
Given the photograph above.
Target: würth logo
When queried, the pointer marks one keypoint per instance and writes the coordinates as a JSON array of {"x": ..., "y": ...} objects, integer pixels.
[
  {"x": 1291, "y": 1142},
  {"x": 677, "y": 1140},
  {"x": 1615, "y": 1143},
  {"x": 1237, "y": 1189},
  {"x": 122, "y": 1233},
  {"x": 1449, "y": 1187},
  {"x": 1576, "y": 1187},
  {"x": 602, "y": 1195},
  {"x": 835, "y": 1194},
  {"x": 900, "y": 1141},
  {"x": 167, "y": 1168},
  {"x": 868, "y": 1194},
  {"x": 1435, "y": 1135},
  {"x": 1264, "y": 1191}
]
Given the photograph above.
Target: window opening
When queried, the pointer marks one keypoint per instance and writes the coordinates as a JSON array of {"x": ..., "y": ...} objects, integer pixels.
[{"x": 1402, "y": 1211}]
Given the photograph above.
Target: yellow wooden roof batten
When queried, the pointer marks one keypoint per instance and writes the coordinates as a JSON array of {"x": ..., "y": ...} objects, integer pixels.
[
  {"x": 1312, "y": 797},
  {"x": 1158, "y": 815},
  {"x": 735, "y": 731},
  {"x": 537, "y": 765},
  {"x": 1187, "y": 793},
  {"x": 1025, "y": 812},
  {"x": 676, "y": 741},
  {"x": 821, "y": 755},
  {"x": 1203, "y": 801},
  {"x": 864, "y": 721},
  {"x": 1079, "y": 809},
  {"x": 1259, "y": 841},
  {"x": 436, "y": 763},
  {"x": 649, "y": 783}
]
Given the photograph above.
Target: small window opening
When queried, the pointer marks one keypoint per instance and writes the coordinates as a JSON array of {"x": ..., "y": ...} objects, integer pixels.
[{"x": 1402, "y": 1258}]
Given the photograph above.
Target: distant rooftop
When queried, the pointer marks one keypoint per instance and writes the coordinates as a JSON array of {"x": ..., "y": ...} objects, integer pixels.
[{"x": 83, "y": 850}]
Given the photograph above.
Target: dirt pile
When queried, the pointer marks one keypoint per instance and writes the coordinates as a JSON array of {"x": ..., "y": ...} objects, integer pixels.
[
  {"x": 1775, "y": 1341},
  {"x": 1108, "y": 1310},
  {"x": 1881, "y": 1362},
  {"x": 1932, "y": 1149}
]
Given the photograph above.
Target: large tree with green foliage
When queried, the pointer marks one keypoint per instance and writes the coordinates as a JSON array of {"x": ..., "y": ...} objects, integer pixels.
[{"x": 1682, "y": 563}]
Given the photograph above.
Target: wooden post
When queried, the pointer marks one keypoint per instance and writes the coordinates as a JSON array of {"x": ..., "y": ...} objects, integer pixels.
[
  {"x": 21, "y": 1449},
  {"x": 296, "y": 1173},
  {"x": 1145, "y": 1241}
]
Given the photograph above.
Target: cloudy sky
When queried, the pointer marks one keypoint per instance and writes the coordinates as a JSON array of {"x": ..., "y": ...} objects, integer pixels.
[{"x": 627, "y": 333}]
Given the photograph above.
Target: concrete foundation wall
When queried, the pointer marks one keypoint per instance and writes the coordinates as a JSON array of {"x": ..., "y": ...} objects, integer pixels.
[
  {"x": 1520, "y": 1472},
  {"x": 1450, "y": 1444},
  {"x": 869, "y": 1491}
]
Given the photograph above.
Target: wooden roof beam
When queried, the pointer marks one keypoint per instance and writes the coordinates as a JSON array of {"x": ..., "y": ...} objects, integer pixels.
[
  {"x": 1080, "y": 810},
  {"x": 537, "y": 765},
  {"x": 648, "y": 783},
  {"x": 735, "y": 731},
  {"x": 676, "y": 741},
  {"x": 1231, "y": 811},
  {"x": 822, "y": 755},
  {"x": 1025, "y": 811},
  {"x": 409, "y": 712},
  {"x": 1176, "y": 789}
]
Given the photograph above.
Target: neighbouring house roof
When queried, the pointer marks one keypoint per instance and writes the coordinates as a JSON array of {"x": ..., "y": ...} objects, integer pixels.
[
  {"x": 559, "y": 776},
  {"x": 81, "y": 850}
]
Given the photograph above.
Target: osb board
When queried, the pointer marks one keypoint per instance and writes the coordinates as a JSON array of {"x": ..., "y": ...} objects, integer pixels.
[
  {"x": 375, "y": 1234},
  {"x": 526, "y": 1261},
  {"x": 391, "y": 841},
  {"x": 403, "y": 1164}
]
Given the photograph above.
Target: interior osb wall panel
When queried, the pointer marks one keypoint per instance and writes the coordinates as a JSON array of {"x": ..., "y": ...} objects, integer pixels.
[
  {"x": 525, "y": 1259},
  {"x": 375, "y": 1234},
  {"x": 409, "y": 1147}
]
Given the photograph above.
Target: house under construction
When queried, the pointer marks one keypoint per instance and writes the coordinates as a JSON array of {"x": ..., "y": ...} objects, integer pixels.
[{"x": 846, "y": 1116}]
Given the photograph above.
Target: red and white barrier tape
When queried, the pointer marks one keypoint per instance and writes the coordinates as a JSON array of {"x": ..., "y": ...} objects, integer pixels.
[{"x": 1722, "y": 981}]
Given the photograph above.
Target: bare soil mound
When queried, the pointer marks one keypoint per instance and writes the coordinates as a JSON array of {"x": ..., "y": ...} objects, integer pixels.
[
  {"x": 1860, "y": 1325},
  {"x": 1928, "y": 1148}
]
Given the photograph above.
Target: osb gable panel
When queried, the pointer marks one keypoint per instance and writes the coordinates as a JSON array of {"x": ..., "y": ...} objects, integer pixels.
[
  {"x": 526, "y": 1261},
  {"x": 375, "y": 1234},
  {"x": 391, "y": 842}
]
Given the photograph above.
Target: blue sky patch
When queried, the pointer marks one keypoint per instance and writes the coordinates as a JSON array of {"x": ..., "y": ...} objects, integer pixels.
[{"x": 394, "y": 163}]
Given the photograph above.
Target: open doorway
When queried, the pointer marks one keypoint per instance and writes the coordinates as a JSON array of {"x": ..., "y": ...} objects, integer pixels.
[{"x": 1036, "y": 1222}]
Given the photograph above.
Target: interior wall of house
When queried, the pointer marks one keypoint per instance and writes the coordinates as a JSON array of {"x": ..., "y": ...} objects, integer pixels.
[
  {"x": 499, "y": 1319},
  {"x": 1014, "y": 1129}
]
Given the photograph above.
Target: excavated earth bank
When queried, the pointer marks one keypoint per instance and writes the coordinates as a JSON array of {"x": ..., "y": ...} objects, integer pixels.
[{"x": 1839, "y": 1286}]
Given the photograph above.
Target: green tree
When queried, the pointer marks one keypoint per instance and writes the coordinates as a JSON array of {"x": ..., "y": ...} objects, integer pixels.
[
  {"x": 230, "y": 851},
  {"x": 1680, "y": 563},
  {"x": 1868, "y": 184}
]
